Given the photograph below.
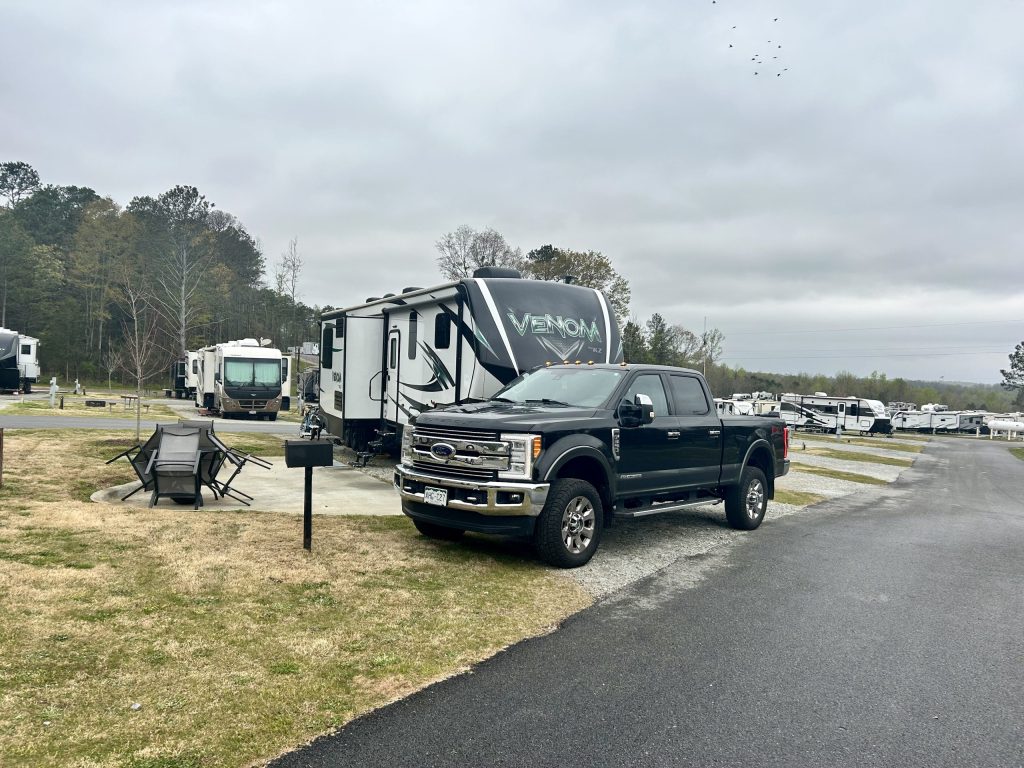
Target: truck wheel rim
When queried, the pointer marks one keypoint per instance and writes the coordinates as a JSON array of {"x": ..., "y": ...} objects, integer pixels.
[
  {"x": 578, "y": 522},
  {"x": 755, "y": 499}
]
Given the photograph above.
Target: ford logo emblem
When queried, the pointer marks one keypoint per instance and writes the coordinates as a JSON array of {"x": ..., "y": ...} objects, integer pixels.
[{"x": 442, "y": 451}]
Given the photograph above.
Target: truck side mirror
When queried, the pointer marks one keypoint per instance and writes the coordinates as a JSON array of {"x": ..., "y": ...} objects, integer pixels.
[
  {"x": 646, "y": 407},
  {"x": 637, "y": 413}
]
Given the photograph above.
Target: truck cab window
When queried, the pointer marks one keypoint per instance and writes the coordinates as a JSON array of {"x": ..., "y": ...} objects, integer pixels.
[
  {"x": 649, "y": 384},
  {"x": 689, "y": 396}
]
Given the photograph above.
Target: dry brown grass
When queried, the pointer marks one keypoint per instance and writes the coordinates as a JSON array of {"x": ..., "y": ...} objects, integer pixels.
[{"x": 235, "y": 641}]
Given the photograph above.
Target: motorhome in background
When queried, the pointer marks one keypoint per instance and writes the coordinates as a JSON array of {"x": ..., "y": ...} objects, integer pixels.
[
  {"x": 19, "y": 361},
  {"x": 384, "y": 361},
  {"x": 238, "y": 378},
  {"x": 184, "y": 377},
  {"x": 821, "y": 412}
]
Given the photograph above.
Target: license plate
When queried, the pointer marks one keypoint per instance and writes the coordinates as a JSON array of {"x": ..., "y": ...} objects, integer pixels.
[
  {"x": 438, "y": 496},
  {"x": 252, "y": 413}
]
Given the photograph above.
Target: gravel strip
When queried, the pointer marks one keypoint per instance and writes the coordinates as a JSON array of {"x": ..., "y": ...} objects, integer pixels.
[
  {"x": 881, "y": 471},
  {"x": 852, "y": 448},
  {"x": 829, "y": 487},
  {"x": 634, "y": 549}
]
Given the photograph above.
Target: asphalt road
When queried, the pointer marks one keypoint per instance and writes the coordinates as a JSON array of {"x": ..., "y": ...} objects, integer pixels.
[{"x": 880, "y": 630}]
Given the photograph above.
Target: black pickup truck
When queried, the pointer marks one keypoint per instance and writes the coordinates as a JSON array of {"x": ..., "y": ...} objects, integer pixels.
[{"x": 563, "y": 450}]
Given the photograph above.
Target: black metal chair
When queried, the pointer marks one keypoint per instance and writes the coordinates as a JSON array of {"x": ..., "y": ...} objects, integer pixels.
[
  {"x": 215, "y": 455},
  {"x": 139, "y": 456},
  {"x": 174, "y": 466}
]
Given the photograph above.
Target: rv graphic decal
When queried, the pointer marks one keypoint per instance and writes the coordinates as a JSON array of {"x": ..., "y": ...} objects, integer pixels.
[
  {"x": 561, "y": 351},
  {"x": 442, "y": 378},
  {"x": 550, "y": 325}
]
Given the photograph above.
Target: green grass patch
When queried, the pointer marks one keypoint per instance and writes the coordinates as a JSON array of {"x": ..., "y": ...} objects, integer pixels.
[
  {"x": 838, "y": 474},
  {"x": 797, "y": 498},
  {"x": 867, "y": 458},
  {"x": 235, "y": 641},
  {"x": 1018, "y": 452},
  {"x": 890, "y": 445}
]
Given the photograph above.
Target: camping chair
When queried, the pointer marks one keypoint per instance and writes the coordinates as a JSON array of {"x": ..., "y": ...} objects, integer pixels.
[
  {"x": 174, "y": 466},
  {"x": 213, "y": 453},
  {"x": 138, "y": 456},
  {"x": 238, "y": 459}
]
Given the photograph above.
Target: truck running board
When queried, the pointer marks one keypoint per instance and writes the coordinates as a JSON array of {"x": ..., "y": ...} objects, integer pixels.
[{"x": 667, "y": 506}]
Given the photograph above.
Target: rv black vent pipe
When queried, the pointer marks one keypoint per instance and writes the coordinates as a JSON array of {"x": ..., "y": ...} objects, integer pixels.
[{"x": 568, "y": 279}]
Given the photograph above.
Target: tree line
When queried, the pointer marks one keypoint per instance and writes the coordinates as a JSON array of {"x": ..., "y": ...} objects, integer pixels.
[{"x": 108, "y": 289}]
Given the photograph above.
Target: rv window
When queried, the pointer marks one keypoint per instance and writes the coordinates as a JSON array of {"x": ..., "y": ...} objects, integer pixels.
[
  {"x": 689, "y": 396},
  {"x": 327, "y": 347},
  {"x": 442, "y": 331},
  {"x": 195, "y": 367},
  {"x": 414, "y": 325},
  {"x": 284, "y": 369},
  {"x": 26, "y": 349},
  {"x": 393, "y": 354}
]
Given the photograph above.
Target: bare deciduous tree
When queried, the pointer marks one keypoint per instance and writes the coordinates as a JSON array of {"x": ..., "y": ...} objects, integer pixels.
[
  {"x": 139, "y": 327},
  {"x": 465, "y": 249}
]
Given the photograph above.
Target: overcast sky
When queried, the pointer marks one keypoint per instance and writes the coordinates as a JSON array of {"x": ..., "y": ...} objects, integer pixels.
[{"x": 856, "y": 204}]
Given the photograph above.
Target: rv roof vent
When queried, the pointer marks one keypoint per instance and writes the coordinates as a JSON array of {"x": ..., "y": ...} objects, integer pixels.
[
  {"x": 372, "y": 298},
  {"x": 496, "y": 272},
  {"x": 412, "y": 288},
  {"x": 820, "y": 394},
  {"x": 388, "y": 295}
]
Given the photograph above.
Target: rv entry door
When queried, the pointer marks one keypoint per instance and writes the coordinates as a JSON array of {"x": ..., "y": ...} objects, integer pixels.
[{"x": 391, "y": 409}]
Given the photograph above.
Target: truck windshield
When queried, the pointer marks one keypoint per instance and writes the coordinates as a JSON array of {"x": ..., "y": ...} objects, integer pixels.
[
  {"x": 585, "y": 387},
  {"x": 252, "y": 373}
]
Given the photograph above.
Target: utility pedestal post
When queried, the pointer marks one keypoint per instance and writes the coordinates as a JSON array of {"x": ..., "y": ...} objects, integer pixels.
[{"x": 308, "y": 454}]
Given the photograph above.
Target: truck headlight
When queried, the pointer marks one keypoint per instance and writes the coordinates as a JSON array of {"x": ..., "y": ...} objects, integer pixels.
[
  {"x": 524, "y": 452},
  {"x": 407, "y": 445}
]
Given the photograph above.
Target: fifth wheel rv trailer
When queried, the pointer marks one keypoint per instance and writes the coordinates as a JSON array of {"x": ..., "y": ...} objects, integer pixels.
[
  {"x": 388, "y": 359},
  {"x": 825, "y": 413},
  {"x": 238, "y": 378},
  {"x": 19, "y": 363}
]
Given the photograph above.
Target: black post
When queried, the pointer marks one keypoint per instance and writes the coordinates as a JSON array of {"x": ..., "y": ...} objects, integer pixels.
[{"x": 307, "y": 511}]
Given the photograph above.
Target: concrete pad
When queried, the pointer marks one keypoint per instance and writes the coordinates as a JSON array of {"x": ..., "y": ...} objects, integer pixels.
[{"x": 337, "y": 490}]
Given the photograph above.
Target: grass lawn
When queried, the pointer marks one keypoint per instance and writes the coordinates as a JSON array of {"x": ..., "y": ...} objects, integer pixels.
[
  {"x": 1018, "y": 452},
  {"x": 797, "y": 498},
  {"x": 868, "y": 458},
  {"x": 235, "y": 643},
  {"x": 865, "y": 441},
  {"x": 74, "y": 405}
]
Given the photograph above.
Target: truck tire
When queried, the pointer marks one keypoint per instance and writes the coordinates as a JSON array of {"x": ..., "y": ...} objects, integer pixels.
[
  {"x": 746, "y": 502},
  {"x": 568, "y": 529},
  {"x": 434, "y": 531}
]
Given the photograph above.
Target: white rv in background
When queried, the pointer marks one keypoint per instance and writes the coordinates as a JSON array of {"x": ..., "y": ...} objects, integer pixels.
[
  {"x": 386, "y": 360},
  {"x": 19, "y": 361},
  {"x": 821, "y": 412},
  {"x": 239, "y": 378}
]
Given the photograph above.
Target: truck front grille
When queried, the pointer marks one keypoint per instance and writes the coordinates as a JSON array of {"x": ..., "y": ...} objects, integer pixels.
[
  {"x": 471, "y": 454},
  {"x": 461, "y": 473}
]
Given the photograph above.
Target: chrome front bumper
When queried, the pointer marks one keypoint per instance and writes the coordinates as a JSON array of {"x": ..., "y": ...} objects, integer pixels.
[{"x": 499, "y": 498}]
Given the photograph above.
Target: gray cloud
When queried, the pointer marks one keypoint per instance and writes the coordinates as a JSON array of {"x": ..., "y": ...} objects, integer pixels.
[{"x": 876, "y": 182}]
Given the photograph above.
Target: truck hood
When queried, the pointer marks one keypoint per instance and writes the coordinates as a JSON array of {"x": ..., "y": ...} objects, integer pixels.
[{"x": 507, "y": 417}]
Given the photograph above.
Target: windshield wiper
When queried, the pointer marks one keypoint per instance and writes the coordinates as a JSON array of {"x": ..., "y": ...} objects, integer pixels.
[
  {"x": 504, "y": 400},
  {"x": 547, "y": 401}
]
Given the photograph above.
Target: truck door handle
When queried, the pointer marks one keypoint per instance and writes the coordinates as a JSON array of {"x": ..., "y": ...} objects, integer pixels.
[
  {"x": 714, "y": 432},
  {"x": 673, "y": 434}
]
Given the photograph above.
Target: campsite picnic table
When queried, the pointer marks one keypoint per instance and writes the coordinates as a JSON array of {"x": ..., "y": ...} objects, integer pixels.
[{"x": 129, "y": 400}]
